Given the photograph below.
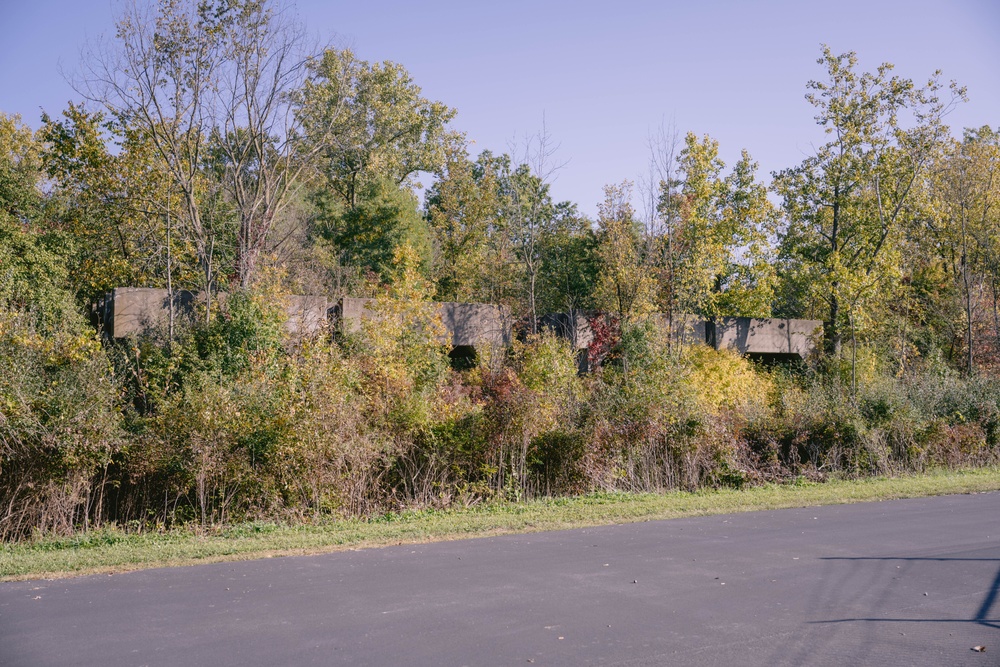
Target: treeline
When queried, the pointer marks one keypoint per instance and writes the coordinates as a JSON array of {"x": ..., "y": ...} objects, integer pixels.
[{"x": 215, "y": 149}]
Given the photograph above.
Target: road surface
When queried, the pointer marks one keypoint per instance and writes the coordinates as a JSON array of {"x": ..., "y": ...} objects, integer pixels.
[{"x": 908, "y": 582}]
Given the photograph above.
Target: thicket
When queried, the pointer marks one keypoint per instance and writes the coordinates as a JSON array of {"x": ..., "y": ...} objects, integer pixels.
[
  {"x": 213, "y": 152},
  {"x": 234, "y": 422}
]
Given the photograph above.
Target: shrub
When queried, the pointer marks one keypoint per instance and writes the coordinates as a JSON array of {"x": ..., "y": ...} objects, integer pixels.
[{"x": 59, "y": 428}]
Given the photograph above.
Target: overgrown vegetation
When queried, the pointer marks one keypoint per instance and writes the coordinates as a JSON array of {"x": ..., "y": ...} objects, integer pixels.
[
  {"x": 132, "y": 546},
  {"x": 890, "y": 233}
]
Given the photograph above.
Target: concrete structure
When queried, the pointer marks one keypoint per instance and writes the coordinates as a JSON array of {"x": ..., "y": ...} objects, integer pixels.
[
  {"x": 348, "y": 313},
  {"x": 134, "y": 311},
  {"x": 687, "y": 329},
  {"x": 476, "y": 324},
  {"x": 467, "y": 325},
  {"x": 574, "y": 326},
  {"x": 766, "y": 339},
  {"x": 306, "y": 314}
]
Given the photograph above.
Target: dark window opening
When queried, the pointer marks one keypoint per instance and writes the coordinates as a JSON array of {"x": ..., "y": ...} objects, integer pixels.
[{"x": 463, "y": 357}]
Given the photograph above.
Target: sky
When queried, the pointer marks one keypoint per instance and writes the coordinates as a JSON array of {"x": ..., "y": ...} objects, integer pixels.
[{"x": 602, "y": 76}]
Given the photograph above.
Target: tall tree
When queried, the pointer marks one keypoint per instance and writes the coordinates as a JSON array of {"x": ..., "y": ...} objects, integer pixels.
[
  {"x": 701, "y": 237},
  {"x": 20, "y": 170},
  {"x": 114, "y": 204},
  {"x": 260, "y": 136},
  {"x": 374, "y": 132},
  {"x": 749, "y": 223},
  {"x": 570, "y": 265},
  {"x": 32, "y": 256},
  {"x": 373, "y": 121},
  {"x": 529, "y": 213},
  {"x": 846, "y": 204},
  {"x": 463, "y": 212},
  {"x": 161, "y": 73},
  {"x": 624, "y": 285},
  {"x": 966, "y": 189},
  {"x": 714, "y": 253},
  {"x": 210, "y": 81}
]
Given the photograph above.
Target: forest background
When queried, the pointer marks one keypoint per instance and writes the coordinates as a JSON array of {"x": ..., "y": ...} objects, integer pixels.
[{"x": 215, "y": 148}]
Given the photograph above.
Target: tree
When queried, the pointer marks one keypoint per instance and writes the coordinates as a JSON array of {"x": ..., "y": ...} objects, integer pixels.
[
  {"x": 624, "y": 286},
  {"x": 259, "y": 138},
  {"x": 966, "y": 189},
  {"x": 373, "y": 132},
  {"x": 464, "y": 216},
  {"x": 845, "y": 204},
  {"x": 570, "y": 266},
  {"x": 661, "y": 215},
  {"x": 114, "y": 205},
  {"x": 714, "y": 251},
  {"x": 749, "y": 222},
  {"x": 210, "y": 82},
  {"x": 529, "y": 213},
  {"x": 370, "y": 233},
  {"x": 33, "y": 257},
  {"x": 701, "y": 237},
  {"x": 161, "y": 74},
  {"x": 20, "y": 170},
  {"x": 373, "y": 123}
]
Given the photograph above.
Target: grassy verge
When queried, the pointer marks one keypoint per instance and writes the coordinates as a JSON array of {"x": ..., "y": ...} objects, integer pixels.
[{"x": 111, "y": 550}]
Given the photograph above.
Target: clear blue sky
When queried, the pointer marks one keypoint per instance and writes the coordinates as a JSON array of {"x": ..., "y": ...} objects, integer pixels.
[{"x": 604, "y": 75}]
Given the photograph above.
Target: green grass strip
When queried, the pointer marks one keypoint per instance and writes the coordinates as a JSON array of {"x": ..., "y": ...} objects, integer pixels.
[{"x": 114, "y": 550}]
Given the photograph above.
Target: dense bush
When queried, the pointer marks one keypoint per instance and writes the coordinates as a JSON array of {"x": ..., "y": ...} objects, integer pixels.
[
  {"x": 232, "y": 421},
  {"x": 59, "y": 428},
  {"x": 59, "y": 417}
]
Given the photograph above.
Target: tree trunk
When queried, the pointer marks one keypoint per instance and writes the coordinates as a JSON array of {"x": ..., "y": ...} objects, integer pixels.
[
  {"x": 833, "y": 335},
  {"x": 968, "y": 299}
]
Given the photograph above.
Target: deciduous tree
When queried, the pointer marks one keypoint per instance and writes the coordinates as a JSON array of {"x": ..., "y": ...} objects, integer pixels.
[{"x": 845, "y": 204}]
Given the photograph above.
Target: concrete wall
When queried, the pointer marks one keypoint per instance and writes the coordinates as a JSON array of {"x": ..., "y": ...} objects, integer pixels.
[
  {"x": 348, "y": 313},
  {"x": 571, "y": 326},
  {"x": 762, "y": 337},
  {"x": 129, "y": 311},
  {"x": 306, "y": 314},
  {"x": 466, "y": 324},
  {"x": 476, "y": 324},
  {"x": 765, "y": 336},
  {"x": 133, "y": 311},
  {"x": 686, "y": 328},
  {"x": 576, "y": 327}
]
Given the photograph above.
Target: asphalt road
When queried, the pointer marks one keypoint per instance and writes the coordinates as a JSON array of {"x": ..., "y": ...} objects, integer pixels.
[{"x": 910, "y": 582}]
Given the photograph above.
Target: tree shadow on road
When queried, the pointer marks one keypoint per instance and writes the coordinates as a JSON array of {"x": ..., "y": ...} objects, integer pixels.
[
  {"x": 884, "y": 589},
  {"x": 982, "y": 614}
]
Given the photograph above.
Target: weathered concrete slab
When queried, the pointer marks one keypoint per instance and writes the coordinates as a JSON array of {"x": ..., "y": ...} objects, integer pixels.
[
  {"x": 466, "y": 324},
  {"x": 765, "y": 336},
  {"x": 349, "y": 312},
  {"x": 685, "y": 328},
  {"x": 133, "y": 311},
  {"x": 306, "y": 314},
  {"x": 476, "y": 324},
  {"x": 575, "y": 327},
  {"x": 136, "y": 311}
]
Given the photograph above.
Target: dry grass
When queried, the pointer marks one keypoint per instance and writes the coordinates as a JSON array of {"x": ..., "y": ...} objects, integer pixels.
[{"x": 116, "y": 550}]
